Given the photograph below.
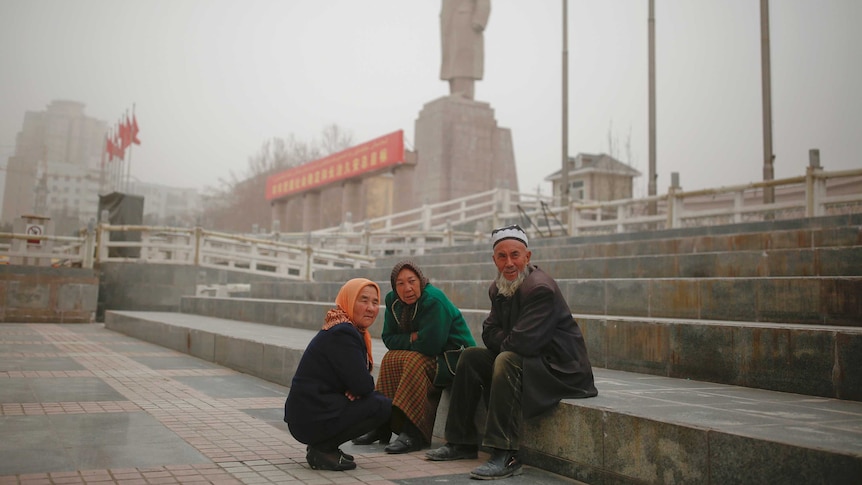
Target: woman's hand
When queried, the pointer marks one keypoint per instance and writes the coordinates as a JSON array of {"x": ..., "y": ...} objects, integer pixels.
[{"x": 351, "y": 396}]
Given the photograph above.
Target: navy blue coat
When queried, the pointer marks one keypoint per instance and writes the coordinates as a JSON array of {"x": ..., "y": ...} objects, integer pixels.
[{"x": 333, "y": 363}]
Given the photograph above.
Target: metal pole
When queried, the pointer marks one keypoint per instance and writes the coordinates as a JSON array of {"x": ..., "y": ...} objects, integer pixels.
[
  {"x": 129, "y": 164},
  {"x": 651, "y": 183},
  {"x": 564, "y": 180},
  {"x": 766, "y": 80}
]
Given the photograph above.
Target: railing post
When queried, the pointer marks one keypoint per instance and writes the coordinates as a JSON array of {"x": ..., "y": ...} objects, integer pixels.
[
  {"x": 366, "y": 239},
  {"x": 198, "y": 241},
  {"x": 672, "y": 208},
  {"x": 738, "y": 203},
  {"x": 506, "y": 200},
  {"x": 348, "y": 222},
  {"x": 89, "y": 245},
  {"x": 814, "y": 185},
  {"x": 309, "y": 260},
  {"x": 426, "y": 217},
  {"x": 448, "y": 234},
  {"x": 102, "y": 236},
  {"x": 309, "y": 257},
  {"x": 574, "y": 219},
  {"x": 620, "y": 219},
  {"x": 497, "y": 208}
]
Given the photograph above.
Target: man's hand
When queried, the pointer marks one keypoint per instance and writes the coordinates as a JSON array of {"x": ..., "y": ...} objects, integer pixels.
[{"x": 351, "y": 396}]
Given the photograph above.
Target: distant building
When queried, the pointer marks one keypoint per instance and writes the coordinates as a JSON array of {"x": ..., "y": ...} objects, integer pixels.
[
  {"x": 167, "y": 206},
  {"x": 595, "y": 178},
  {"x": 68, "y": 194},
  {"x": 51, "y": 172}
]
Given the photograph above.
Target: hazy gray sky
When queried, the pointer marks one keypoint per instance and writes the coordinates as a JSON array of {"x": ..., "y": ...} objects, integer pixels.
[{"x": 213, "y": 79}]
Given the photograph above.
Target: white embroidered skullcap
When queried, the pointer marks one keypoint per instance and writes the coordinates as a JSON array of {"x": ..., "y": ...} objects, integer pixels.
[{"x": 509, "y": 232}]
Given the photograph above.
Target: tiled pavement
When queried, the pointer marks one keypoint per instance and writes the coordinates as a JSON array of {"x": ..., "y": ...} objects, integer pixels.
[{"x": 82, "y": 404}]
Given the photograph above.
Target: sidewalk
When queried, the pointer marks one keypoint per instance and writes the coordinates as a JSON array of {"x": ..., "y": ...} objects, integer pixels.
[{"x": 82, "y": 404}]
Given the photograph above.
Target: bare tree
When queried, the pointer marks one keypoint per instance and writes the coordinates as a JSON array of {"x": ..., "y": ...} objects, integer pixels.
[
  {"x": 617, "y": 190},
  {"x": 334, "y": 139},
  {"x": 239, "y": 201}
]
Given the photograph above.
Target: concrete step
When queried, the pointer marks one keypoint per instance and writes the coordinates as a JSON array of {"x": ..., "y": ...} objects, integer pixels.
[
  {"x": 807, "y": 359},
  {"x": 800, "y": 300},
  {"x": 833, "y": 231},
  {"x": 640, "y": 429},
  {"x": 838, "y": 261}
]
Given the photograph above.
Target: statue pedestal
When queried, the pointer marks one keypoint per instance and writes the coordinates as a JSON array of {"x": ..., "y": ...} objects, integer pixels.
[{"x": 461, "y": 151}]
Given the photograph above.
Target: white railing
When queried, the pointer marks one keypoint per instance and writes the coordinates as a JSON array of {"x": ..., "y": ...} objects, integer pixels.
[
  {"x": 492, "y": 207},
  {"x": 46, "y": 250},
  {"x": 818, "y": 193},
  {"x": 356, "y": 245},
  {"x": 171, "y": 245},
  {"x": 375, "y": 243}
]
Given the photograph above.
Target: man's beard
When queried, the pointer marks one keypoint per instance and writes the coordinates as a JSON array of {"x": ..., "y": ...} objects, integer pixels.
[{"x": 508, "y": 288}]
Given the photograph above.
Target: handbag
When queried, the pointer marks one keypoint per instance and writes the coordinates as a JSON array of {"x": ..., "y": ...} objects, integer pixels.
[{"x": 447, "y": 362}]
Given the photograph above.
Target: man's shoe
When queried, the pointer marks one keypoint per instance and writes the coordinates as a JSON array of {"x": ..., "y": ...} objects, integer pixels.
[
  {"x": 503, "y": 464},
  {"x": 381, "y": 434},
  {"x": 333, "y": 460},
  {"x": 404, "y": 444},
  {"x": 450, "y": 451}
]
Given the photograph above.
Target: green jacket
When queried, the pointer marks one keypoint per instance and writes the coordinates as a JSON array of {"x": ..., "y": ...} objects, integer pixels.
[{"x": 439, "y": 324}]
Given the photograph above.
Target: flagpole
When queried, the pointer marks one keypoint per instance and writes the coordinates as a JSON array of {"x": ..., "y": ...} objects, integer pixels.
[
  {"x": 112, "y": 167},
  {"x": 119, "y": 165},
  {"x": 129, "y": 165},
  {"x": 118, "y": 170},
  {"x": 102, "y": 166}
]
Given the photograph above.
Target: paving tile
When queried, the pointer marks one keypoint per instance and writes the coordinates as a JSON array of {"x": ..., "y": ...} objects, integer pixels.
[{"x": 84, "y": 405}]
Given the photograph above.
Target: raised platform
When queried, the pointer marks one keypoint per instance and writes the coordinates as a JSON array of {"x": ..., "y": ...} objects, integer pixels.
[{"x": 640, "y": 429}]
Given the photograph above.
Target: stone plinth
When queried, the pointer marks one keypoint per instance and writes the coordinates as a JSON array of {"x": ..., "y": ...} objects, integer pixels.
[{"x": 461, "y": 151}]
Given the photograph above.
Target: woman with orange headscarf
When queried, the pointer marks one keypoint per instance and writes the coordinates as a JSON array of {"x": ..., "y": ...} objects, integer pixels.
[{"x": 332, "y": 398}]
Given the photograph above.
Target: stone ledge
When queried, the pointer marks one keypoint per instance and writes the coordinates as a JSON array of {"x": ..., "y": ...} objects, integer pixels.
[
  {"x": 640, "y": 429},
  {"x": 817, "y": 360}
]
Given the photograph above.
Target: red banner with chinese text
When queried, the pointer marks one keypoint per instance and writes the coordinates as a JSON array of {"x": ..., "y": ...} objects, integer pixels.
[{"x": 386, "y": 151}]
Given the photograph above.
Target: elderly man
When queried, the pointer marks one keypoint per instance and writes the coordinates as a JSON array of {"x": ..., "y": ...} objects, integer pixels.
[{"x": 534, "y": 356}]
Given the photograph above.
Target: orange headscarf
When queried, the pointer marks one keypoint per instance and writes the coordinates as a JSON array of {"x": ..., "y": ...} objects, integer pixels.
[{"x": 344, "y": 302}]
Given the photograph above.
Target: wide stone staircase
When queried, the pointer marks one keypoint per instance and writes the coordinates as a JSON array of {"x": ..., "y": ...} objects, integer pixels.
[{"x": 725, "y": 354}]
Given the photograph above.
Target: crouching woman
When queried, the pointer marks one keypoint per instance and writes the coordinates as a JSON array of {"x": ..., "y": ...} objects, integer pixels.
[{"x": 332, "y": 398}]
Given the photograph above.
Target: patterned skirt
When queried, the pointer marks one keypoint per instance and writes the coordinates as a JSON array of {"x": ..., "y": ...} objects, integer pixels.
[{"x": 406, "y": 377}]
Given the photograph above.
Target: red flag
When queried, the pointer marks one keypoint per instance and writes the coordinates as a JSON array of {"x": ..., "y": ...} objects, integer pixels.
[
  {"x": 122, "y": 128},
  {"x": 112, "y": 150},
  {"x": 134, "y": 130},
  {"x": 119, "y": 148},
  {"x": 109, "y": 146}
]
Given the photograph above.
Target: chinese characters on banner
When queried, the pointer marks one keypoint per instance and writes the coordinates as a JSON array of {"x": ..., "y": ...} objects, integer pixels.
[{"x": 386, "y": 151}]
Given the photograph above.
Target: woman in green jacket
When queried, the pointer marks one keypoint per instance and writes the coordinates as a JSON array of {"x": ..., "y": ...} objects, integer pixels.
[{"x": 420, "y": 323}]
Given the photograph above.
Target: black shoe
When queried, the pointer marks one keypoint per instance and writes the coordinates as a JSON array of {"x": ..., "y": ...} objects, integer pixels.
[
  {"x": 404, "y": 444},
  {"x": 451, "y": 451},
  {"x": 503, "y": 464},
  {"x": 347, "y": 456},
  {"x": 381, "y": 434},
  {"x": 333, "y": 460}
]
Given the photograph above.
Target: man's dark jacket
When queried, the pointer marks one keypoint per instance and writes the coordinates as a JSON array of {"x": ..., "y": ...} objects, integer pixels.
[{"x": 537, "y": 324}]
